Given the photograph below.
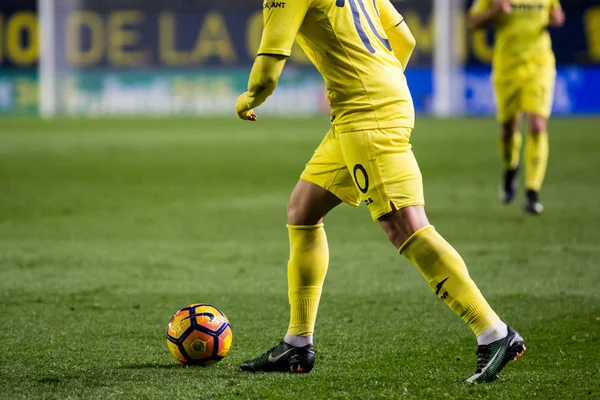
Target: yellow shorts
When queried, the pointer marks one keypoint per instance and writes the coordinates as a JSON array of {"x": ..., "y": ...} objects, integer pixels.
[
  {"x": 377, "y": 167},
  {"x": 533, "y": 95}
]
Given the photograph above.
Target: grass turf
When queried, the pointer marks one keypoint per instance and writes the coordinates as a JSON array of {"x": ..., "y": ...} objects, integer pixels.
[{"x": 107, "y": 227}]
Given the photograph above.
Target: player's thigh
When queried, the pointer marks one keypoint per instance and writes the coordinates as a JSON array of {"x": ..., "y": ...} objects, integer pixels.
[
  {"x": 327, "y": 169},
  {"x": 383, "y": 168},
  {"x": 538, "y": 93},
  {"x": 508, "y": 99}
]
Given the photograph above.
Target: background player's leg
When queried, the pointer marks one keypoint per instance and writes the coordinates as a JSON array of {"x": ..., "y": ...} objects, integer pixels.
[
  {"x": 536, "y": 161},
  {"x": 510, "y": 148},
  {"x": 309, "y": 257},
  {"x": 409, "y": 230},
  {"x": 508, "y": 99}
]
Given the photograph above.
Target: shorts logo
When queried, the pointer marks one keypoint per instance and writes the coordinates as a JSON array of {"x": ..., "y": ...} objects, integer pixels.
[
  {"x": 362, "y": 169},
  {"x": 273, "y": 4}
]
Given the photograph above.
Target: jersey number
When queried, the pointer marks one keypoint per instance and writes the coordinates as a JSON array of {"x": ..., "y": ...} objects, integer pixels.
[{"x": 361, "y": 32}]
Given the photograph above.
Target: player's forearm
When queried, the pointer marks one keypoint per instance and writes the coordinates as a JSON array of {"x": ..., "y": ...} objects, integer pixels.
[
  {"x": 557, "y": 17},
  {"x": 480, "y": 20},
  {"x": 403, "y": 43},
  {"x": 263, "y": 80}
]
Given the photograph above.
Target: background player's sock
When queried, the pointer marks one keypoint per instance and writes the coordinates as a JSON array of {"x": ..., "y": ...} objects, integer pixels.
[
  {"x": 495, "y": 332},
  {"x": 536, "y": 160},
  {"x": 448, "y": 277},
  {"x": 307, "y": 267},
  {"x": 511, "y": 151}
]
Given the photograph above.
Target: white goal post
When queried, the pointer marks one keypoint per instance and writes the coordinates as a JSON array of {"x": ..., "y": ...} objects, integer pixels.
[
  {"x": 448, "y": 81},
  {"x": 47, "y": 65}
]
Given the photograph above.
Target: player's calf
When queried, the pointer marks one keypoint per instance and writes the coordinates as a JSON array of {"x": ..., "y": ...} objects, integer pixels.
[
  {"x": 536, "y": 161},
  {"x": 508, "y": 187},
  {"x": 510, "y": 145}
]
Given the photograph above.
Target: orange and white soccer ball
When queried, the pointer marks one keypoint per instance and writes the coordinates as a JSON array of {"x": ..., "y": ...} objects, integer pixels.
[{"x": 199, "y": 334}]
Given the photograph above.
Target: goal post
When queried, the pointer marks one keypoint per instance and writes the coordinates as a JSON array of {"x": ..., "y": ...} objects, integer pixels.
[
  {"x": 47, "y": 64},
  {"x": 448, "y": 77}
]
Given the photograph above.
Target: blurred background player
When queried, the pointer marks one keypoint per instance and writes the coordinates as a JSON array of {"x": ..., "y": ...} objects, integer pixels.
[
  {"x": 361, "y": 48},
  {"x": 524, "y": 73}
]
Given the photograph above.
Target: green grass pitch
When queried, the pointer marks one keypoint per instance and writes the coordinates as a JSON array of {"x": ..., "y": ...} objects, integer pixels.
[{"x": 107, "y": 227}]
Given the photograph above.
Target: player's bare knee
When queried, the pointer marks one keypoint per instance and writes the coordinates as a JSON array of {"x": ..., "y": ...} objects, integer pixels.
[
  {"x": 397, "y": 237},
  {"x": 398, "y": 234},
  {"x": 300, "y": 214},
  {"x": 401, "y": 224},
  {"x": 309, "y": 203},
  {"x": 295, "y": 216},
  {"x": 537, "y": 124},
  {"x": 508, "y": 129}
]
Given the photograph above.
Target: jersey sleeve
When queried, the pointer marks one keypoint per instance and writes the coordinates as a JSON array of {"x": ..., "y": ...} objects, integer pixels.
[
  {"x": 555, "y": 4},
  {"x": 480, "y": 6},
  {"x": 388, "y": 14},
  {"x": 282, "y": 20}
]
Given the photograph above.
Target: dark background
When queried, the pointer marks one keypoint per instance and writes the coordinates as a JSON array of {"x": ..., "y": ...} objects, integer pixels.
[{"x": 572, "y": 44}]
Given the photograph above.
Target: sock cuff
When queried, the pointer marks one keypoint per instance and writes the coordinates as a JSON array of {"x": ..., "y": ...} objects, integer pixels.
[
  {"x": 412, "y": 238},
  {"x": 479, "y": 315},
  {"x": 304, "y": 227}
]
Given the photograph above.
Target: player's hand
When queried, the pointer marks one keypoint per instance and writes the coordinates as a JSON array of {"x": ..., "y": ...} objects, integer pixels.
[
  {"x": 248, "y": 116},
  {"x": 503, "y": 6},
  {"x": 557, "y": 17},
  {"x": 241, "y": 107}
]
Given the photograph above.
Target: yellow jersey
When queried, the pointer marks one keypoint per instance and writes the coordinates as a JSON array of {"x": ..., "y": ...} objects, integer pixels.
[
  {"x": 521, "y": 37},
  {"x": 346, "y": 41}
]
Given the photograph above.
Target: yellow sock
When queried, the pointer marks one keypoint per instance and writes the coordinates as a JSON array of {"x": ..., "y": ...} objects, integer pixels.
[
  {"x": 511, "y": 150},
  {"x": 309, "y": 259},
  {"x": 448, "y": 277},
  {"x": 536, "y": 160}
]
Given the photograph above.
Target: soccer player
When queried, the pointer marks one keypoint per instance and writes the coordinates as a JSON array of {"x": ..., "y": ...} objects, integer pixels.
[
  {"x": 523, "y": 73},
  {"x": 361, "y": 47}
]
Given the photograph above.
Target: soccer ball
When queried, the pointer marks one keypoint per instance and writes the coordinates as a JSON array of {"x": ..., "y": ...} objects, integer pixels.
[{"x": 199, "y": 334}]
